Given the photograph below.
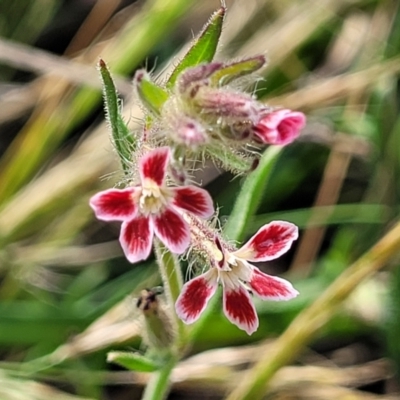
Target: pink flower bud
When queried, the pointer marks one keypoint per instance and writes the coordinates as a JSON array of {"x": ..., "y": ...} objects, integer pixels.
[
  {"x": 225, "y": 105},
  {"x": 186, "y": 131},
  {"x": 280, "y": 126},
  {"x": 192, "y": 78},
  {"x": 191, "y": 134}
]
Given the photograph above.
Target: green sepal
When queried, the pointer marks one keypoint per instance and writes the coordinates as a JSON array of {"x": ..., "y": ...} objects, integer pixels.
[
  {"x": 133, "y": 361},
  {"x": 228, "y": 159},
  {"x": 123, "y": 140},
  {"x": 152, "y": 96},
  {"x": 204, "y": 46},
  {"x": 235, "y": 70}
]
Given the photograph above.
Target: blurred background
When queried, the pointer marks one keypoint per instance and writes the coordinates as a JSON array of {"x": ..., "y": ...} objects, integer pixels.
[{"x": 67, "y": 295}]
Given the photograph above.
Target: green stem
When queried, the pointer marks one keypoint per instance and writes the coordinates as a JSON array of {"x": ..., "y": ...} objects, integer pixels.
[
  {"x": 158, "y": 385},
  {"x": 171, "y": 275},
  {"x": 308, "y": 322}
]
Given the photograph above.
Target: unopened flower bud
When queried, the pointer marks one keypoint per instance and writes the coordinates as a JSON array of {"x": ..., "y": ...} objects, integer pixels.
[
  {"x": 191, "y": 78},
  {"x": 159, "y": 332},
  {"x": 190, "y": 133},
  {"x": 225, "y": 105},
  {"x": 238, "y": 131},
  {"x": 185, "y": 130},
  {"x": 279, "y": 127}
]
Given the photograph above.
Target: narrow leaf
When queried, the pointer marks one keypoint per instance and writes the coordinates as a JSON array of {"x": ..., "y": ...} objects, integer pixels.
[
  {"x": 232, "y": 71},
  {"x": 152, "y": 96},
  {"x": 133, "y": 361},
  {"x": 204, "y": 46},
  {"x": 122, "y": 138}
]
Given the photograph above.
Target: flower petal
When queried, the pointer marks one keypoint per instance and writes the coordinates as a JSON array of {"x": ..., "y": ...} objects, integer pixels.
[
  {"x": 114, "y": 204},
  {"x": 194, "y": 199},
  {"x": 269, "y": 287},
  {"x": 270, "y": 242},
  {"x": 280, "y": 126},
  {"x": 195, "y": 295},
  {"x": 239, "y": 309},
  {"x": 172, "y": 230},
  {"x": 153, "y": 165},
  {"x": 136, "y": 238}
]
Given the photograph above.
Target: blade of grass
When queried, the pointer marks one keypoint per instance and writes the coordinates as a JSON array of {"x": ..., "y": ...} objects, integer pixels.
[{"x": 250, "y": 195}]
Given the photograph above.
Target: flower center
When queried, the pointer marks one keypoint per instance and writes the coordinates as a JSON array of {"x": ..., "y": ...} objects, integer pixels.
[
  {"x": 235, "y": 272},
  {"x": 152, "y": 199}
]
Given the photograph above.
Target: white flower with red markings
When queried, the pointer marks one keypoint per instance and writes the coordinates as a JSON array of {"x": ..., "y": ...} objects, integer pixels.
[
  {"x": 280, "y": 126},
  {"x": 152, "y": 208},
  {"x": 237, "y": 276}
]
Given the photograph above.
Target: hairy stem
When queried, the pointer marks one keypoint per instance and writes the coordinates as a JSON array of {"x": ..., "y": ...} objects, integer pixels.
[
  {"x": 171, "y": 274},
  {"x": 158, "y": 385}
]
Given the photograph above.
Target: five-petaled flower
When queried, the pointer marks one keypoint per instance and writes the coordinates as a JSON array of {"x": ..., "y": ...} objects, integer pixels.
[
  {"x": 280, "y": 126},
  {"x": 152, "y": 208},
  {"x": 237, "y": 277}
]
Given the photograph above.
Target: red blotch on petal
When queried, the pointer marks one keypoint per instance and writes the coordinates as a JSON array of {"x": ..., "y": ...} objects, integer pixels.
[
  {"x": 289, "y": 128},
  {"x": 280, "y": 127},
  {"x": 153, "y": 165},
  {"x": 270, "y": 242},
  {"x": 136, "y": 239},
  {"x": 194, "y": 297},
  {"x": 240, "y": 310},
  {"x": 195, "y": 200},
  {"x": 172, "y": 230},
  {"x": 271, "y": 288},
  {"x": 114, "y": 204}
]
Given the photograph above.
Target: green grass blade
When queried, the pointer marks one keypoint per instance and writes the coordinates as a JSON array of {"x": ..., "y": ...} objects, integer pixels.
[{"x": 250, "y": 195}]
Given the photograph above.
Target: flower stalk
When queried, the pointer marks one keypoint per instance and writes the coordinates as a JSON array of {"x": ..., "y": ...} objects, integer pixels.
[
  {"x": 172, "y": 279},
  {"x": 158, "y": 385}
]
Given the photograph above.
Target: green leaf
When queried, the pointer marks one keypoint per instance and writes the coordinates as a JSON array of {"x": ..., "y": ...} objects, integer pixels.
[
  {"x": 122, "y": 138},
  {"x": 133, "y": 361},
  {"x": 204, "y": 46},
  {"x": 152, "y": 96},
  {"x": 250, "y": 195},
  {"x": 232, "y": 71}
]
